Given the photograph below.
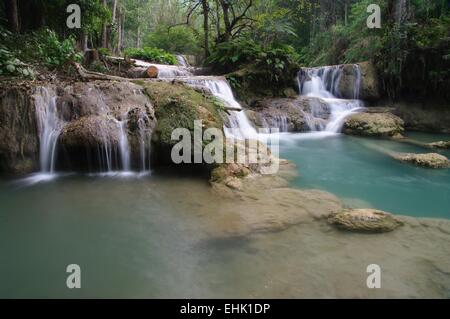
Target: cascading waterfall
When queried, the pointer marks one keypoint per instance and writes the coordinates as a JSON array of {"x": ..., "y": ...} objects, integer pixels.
[
  {"x": 279, "y": 121},
  {"x": 240, "y": 126},
  {"x": 323, "y": 83},
  {"x": 49, "y": 126}
]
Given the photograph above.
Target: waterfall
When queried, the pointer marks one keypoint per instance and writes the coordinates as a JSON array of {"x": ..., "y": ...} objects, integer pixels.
[
  {"x": 279, "y": 121},
  {"x": 182, "y": 61},
  {"x": 323, "y": 83},
  {"x": 124, "y": 148},
  {"x": 240, "y": 126},
  {"x": 49, "y": 126},
  {"x": 145, "y": 135}
]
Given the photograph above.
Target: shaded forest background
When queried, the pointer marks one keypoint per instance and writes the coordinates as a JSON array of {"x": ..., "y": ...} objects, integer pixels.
[{"x": 410, "y": 50}]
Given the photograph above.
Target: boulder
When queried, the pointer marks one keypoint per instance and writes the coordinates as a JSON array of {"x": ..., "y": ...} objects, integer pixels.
[
  {"x": 430, "y": 160},
  {"x": 90, "y": 131},
  {"x": 373, "y": 124},
  {"x": 365, "y": 220}
]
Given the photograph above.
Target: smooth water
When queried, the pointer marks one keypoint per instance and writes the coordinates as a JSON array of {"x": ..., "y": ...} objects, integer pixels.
[
  {"x": 158, "y": 236},
  {"x": 362, "y": 175}
]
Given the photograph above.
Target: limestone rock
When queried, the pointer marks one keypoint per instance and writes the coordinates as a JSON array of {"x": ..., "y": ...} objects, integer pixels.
[
  {"x": 19, "y": 142},
  {"x": 365, "y": 220},
  {"x": 369, "y": 89},
  {"x": 440, "y": 144},
  {"x": 430, "y": 160},
  {"x": 373, "y": 124},
  {"x": 287, "y": 114}
]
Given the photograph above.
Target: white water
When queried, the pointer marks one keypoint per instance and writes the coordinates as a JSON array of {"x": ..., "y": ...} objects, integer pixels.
[
  {"x": 323, "y": 83},
  {"x": 49, "y": 126},
  {"x": 182, "y": 61},
  {"x": 240, "y": 126},
  {"x": 124, "y": 148}
]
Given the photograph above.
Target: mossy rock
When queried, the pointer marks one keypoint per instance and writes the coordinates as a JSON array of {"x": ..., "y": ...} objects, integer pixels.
[
  {"x": 365, "y": 220},
  {"x": 374, "y": 124},
  {"x": 429, "y": 160},
  {"x": 178, "y": 106}
]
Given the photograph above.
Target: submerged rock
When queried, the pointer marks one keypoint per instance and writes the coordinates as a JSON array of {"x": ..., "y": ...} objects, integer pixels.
[
  {"x": 373, "y": 124},
  {"x": 365, "y": 220},
  {"x": 430, "y": 160},
  {"x": 440, "y": 144}
]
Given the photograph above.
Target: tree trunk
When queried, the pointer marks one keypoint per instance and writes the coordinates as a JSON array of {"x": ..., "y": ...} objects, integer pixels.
[
  {"x": 226, "y": 19},
  {"x": 12, "y": 15},
  {"x": 84, "y": 41},
  {"x": 138, "y": 37},
  {"x": 205, "y": 6},
  {"x": 142, "y": 72},
  {"x": 104, "y": 30},
  {"x": 114, "y": 12}
]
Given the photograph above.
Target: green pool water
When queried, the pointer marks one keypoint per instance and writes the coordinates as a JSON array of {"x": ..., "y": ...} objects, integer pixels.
[
  {"x": 359, "y": 171},
  {"x": 151, "y": 236}
]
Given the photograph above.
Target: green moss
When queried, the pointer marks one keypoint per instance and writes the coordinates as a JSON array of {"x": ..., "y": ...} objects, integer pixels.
[{"x": 178, "y": 106}]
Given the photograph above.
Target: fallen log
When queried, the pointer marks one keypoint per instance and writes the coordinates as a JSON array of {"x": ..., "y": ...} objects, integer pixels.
[
  {"x": 143, "y": 72},
  {"x": 89, "y": 75}
]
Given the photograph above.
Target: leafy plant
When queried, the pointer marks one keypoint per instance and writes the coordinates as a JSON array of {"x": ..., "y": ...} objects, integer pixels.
[
  {"x": 10, "y": 64},
  {"x": 149, "y": 54},
  {"x": 177, "y": 39},
  {"x": 53, "y": 52}
]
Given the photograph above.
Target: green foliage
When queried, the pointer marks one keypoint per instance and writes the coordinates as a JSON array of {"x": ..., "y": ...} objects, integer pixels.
[
  {"x": 52, "y": 51},
  {"x": 10, "y": 64},
  {"x": 176, "y": 40},
  {"x": 349, "y": 43},
  {"x": 149, "y": 54},
  {"x": 104, "y": 51},
  {"x": 236, "y": 54}
]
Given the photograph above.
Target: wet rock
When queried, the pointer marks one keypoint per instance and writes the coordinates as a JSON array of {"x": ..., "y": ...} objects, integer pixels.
[
  {"x": 286, "y": 114},
  {"x": 90, "y": 131},
  {"x": 100, "y": 98},
  {"x": 430, "y": 160},
  {"x": 369, "y": 88},
  {"x": 440, "y": 144},
  {"x": 427, "y": 117},
  {"x": 373, "y": 124},
  {"x": 270, "y": 210},
  {"x": 365, "y": 220},
  {"x": 19, "y": 142}
]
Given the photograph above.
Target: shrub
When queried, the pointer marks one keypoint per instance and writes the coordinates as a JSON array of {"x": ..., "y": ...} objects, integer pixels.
[
  {"x": 51, "y": 51},
  {"x": 10, "y": 64},
  {"x": 149, "y": 54},
  {"x": 178, "y": 39}
]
